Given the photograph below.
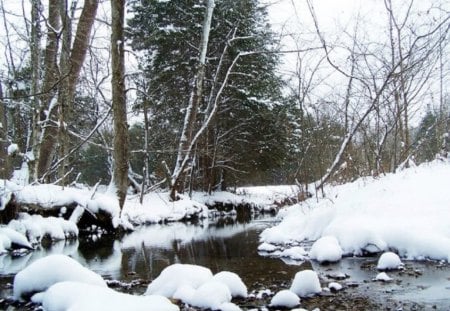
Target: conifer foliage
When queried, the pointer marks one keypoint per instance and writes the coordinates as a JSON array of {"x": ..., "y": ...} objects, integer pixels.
[{"x": 243, "y": 139}]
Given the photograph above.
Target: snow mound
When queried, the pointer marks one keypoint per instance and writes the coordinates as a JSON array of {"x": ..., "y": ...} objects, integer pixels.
[
  {"x": 45, "y": 272},
  {"x": 285, "y": 298},
  {"x": 76, "y": 296},
  {"x": 295, "y": 253},
  {"x": 407, "y": 211},
  {"x": 306, "y": 283},
  {"x": 36, "y": 227},
  {"x": 383, "y": 277},
  {"x": 267, "y": 247},
  {"x": 326, "y": 249},
  {"x": 389, "y": 261},
  {"x": 211, "y": 295},
  {"x": 233, "y": 282},
  {"x": 13, "y": 239},
  {"x": 195, "y": 285},
  {"x": 334, "y": 286},
  {"x": 177, "y": 275}
]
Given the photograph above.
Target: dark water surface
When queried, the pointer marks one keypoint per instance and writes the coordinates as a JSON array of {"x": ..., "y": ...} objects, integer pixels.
[{"x": 139, "y": 257}]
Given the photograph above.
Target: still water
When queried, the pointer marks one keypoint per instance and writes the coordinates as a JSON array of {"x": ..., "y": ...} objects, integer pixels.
[{"x": 139, "y": 257}]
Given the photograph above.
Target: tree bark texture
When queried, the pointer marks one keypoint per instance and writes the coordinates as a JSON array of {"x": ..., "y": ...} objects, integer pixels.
[
  {"x": 184, "y": 149},
  {"x": 71, "y": 62},
  {"x": 120, "y": 173}
]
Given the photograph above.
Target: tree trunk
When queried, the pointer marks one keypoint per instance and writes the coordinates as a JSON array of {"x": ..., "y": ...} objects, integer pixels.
[
  {"x": 5, "y": 163},
  {"x": 184, "y": 150},
  {"x": 70, "y": 67},
  {"x": 120, "y": 173}
]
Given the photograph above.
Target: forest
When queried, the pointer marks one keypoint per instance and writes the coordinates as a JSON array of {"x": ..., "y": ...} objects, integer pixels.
[{"x": 204, "y": 95}]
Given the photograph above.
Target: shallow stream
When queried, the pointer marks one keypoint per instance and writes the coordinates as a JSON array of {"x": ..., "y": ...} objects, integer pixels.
[{"x": 132, "y": 262}]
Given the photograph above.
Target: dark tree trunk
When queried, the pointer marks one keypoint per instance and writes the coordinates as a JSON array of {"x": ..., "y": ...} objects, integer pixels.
[{"x": 120, "y": 173}]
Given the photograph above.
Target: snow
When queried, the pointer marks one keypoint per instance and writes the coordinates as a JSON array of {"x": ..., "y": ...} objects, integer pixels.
[
  {"x": 334, "y": 286},
  {"x": 157, "y": 207},
  {"x": 233, "y": 282},
  {"x": 12, "y": 149},
  {"x": 389, "y": 261},
  {"x": 36, "y": 227},
  {"x": 45, "y": 272},
  {"x": 267, "y": 247},
  {"x": 10, "y": 236},
  {"x": 177, "y": 275},
  {"x": 197, "y": 286},
  {"x": 382, "y": 276},
  {"x": 285, "y": 298},
  {"x": 326, "y": 249},
  {"x": 76, "y": 296},
  {"x": 210, "y": 295},
  {"x": 295, "y": 253},
  {"x": 306, "y": 283},
  {"x": 406, "y": 211}
]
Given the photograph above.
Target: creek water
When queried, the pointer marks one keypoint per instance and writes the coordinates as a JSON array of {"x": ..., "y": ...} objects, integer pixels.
[{"x": 139, "y": 257}]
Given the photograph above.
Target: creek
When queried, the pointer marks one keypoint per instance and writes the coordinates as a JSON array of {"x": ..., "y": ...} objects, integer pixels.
[{"x": 132, "y": 262}]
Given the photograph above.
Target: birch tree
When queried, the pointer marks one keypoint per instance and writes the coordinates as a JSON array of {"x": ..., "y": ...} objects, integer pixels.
[{"x": 185, "y": 148}]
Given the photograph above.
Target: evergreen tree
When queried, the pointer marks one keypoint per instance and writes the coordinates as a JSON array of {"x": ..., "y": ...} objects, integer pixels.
[{"x": 244, "y": 139}]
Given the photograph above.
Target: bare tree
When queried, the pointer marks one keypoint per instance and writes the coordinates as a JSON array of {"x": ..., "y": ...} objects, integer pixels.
[
  {"x": 184, "y": 150},
  {"x": 71, "y": 61}
]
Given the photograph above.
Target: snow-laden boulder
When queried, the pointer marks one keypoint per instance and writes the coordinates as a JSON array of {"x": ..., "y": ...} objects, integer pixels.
[
  {"x": 211, "y": 295},
  {"x": 45, "y": 272},
  {"x": 389, "y": 261},
  {"x": 383, "y": 277},
  {"x": 295, "y": 253},
  {"x": 285, "y": 298},
  {"x": 76, "y": 296},
  {"x": 267, "y": 247},
  {"x": 306, "y": 283},
  {"x": 16, "y": 239},
  {"x": 334, "y": 286},
  {"x": 177, "y": 275},
  {"x": 233, "y": 282},
  {"x": 326, "y": 249}
]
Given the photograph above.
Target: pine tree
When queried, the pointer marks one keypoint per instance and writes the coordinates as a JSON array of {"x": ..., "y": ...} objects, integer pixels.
[{"x": 244, "y": 139}]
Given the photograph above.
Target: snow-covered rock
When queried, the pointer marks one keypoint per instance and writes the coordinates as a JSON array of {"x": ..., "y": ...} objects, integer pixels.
[
  {"x": 76, "y": 296},
  {"x": 389, "y": 261},
  {"x": 45, "y": 272},
  {"x": 13, "y": 239},
  {"x": 210, "y": 295},
  {"x": 334, "y": 286},
  {"x": 306, "y": 283},
  {"x": 267, "y": 247},
  {"x": 285, "y": 298},
  {"x": 295, "y": 253},
  {"x": 177, "y": 275},
  {"x": 382, "y": 276},
  {"x": 233, "y": 282},
  {"x": 326, "y": 249}
]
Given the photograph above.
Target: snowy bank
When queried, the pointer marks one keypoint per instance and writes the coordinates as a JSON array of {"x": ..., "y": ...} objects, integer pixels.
[
  {"x": 256, "y": 199},
  {"x": 407, "y": 212}
]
